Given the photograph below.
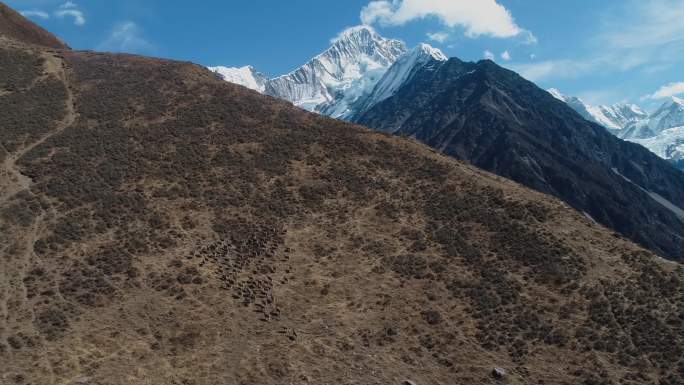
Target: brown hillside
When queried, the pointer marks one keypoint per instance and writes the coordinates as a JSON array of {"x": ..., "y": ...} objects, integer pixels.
[
  {"x": 160, "y": 226},
  {"x": 15, "y": 26}
]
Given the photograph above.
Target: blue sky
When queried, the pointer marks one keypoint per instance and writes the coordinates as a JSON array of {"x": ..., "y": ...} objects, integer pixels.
[{"x": 603, "y": 51}]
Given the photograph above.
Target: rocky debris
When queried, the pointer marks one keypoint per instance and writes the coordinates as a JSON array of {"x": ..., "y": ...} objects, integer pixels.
[
  {"x": 499, "y": 373},
  {"x": 291, "y": 334}
]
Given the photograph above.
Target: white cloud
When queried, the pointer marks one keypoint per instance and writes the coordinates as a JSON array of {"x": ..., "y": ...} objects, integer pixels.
[
  {"x": 577, "y": 68},
  {"x": 647, "y": 36},
  {"x": 669, "y": 90},
  {"x": 529, "y": 38},
  {"x": 488, "y": 55},
  {"x": 126, "y": 36},
  {"x": 478, "y": 18},
  {"x": 533, "y": 56},
  {"x": 653, "y": 22},
  {"x": 376, "y": 10},
  {"x": 606, "y": 62},
  {"x": 536, "y": 71},
  {"x": 34, "y": 13},
  {"x": 505, "y": 55},
  {"x": 68, "y": 4},
  {"x": 70, "y": 9},
  {"x": 439, "y": 37},
  {"x": 79, "y": 19},
  {"x": 554, "y": 69}
]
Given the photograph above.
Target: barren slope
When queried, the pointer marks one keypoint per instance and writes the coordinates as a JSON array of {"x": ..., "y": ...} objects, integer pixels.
[
  {"x": 15, "y": 26},
  {"x": 160, "y": 226}
]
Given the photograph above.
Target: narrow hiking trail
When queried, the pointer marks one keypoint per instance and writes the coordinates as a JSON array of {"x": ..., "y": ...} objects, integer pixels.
[
  {"x": 16, "y": 181},
  {"x": 18, "y": 256}
]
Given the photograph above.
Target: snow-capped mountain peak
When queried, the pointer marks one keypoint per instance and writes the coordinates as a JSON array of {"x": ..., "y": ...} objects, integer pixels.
[
  {"x": 245, "y": 76},
  {"x": 397, "y": 75},
  {"x": 359, "y": 34},
  {"x": 615, "y": 117},
  {"x": 636, "y": 109},
  {"x": 557, "y": 94},
  {"x": 619, "y": 115},
  {"x": 355, "y": 47},
  {"x": 355, "y": 62},
  {"x": 672, "y": 105},
  {"x": 427, "y": 49},
  {"x": 588, "y": 112},
  {"x": 661, "y": 132},
  {"x": 349, "y": 74},
  {"x": 678, "y": 101},
  {"x": 669, "y": 115},
  {"x": 669, "y": 144}
]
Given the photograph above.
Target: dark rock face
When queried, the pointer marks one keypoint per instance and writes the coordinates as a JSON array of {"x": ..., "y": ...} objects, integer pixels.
[
  {"x": 679, "y": 164},
  {"x": 499, "y": 121}
]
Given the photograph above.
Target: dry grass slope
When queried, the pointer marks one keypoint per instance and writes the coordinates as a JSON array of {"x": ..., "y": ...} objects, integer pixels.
[
  {"x": 181, "y": 230},
  {"x": 15, "y": 26}
]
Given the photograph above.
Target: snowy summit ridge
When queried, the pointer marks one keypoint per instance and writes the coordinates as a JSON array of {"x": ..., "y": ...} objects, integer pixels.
[
  {"x": 662, "y": 132},
  {"x": 400, "y": 73},
  {"x": 614, "y": 118},
  {"x": 345, "y": 76},
  {"x": 355, "y": 62},
  {"x": 245, "y": 76}
]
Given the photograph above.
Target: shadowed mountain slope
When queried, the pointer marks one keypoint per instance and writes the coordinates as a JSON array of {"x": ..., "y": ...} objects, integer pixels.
[
  {"x": 497, "y": 120},
  {"x": 161, "y": 226}
]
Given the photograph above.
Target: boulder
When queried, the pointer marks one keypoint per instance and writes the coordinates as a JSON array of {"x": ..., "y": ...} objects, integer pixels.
[{"x": 499, "y": 373}]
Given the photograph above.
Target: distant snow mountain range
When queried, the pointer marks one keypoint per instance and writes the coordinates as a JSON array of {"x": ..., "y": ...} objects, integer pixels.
[
  {"x": 614, "y": 118},
  {"x": 662, "y": 132},
  {"x": 360, "y": 69}
]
